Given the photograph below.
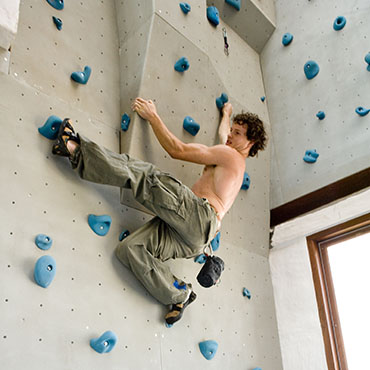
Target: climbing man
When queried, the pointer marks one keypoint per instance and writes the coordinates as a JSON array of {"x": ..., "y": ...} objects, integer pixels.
[{"x": 187, "y": 219}]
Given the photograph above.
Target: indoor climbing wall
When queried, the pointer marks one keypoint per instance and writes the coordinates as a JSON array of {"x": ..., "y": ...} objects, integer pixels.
[
  {"x": 131, "y": 48},
  {"x": 342, "y": 138}
]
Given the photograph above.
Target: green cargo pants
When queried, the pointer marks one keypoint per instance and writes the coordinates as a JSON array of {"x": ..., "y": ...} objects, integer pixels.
[{"x": 183, "y": 226}]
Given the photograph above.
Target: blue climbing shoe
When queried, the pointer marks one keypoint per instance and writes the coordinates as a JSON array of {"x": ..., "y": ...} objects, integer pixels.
[
  {"x": 60, "y": 147},
  {"x": 178, "y": 309}
]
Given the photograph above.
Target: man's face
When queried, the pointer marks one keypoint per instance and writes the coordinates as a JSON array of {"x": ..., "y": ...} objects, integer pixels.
[{"x": 237, "y": 137}]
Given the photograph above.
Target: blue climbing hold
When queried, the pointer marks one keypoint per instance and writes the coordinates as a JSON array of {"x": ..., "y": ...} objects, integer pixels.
[
  {"x": 168, "y": 325},
  {"x": 190, "y": 125},
  {"x": 100, "y": 224},
  {"x": 82, "y": 77},
  {"x": 43, "y": 241},
  {"x": 234, "y": 3},
  {"x": 361, "y": 111},
  {"x": 124, "y": 234},
  {"x": 58, "y": 23},
  {"x": 246, "y": 182},
  {"x": 247, "y": 293},
  {"x": 263, "y": 98},
  {"x": 202, "y": 258},
  {"x": 44, "y": 271},
  {"x": 311, "y": 156},
  {"x": 320, "y": 115},
  {"x": 221, "y": 100},
  {"x": 339, "y": 23},
  {"x": 215, "y": 243},
  {"x": 311, "y": 69},
  {"x": 182, "y": 65},
  {"x": 257, "y": 368},
  {"x": 105, "y": 343},
  {"x": 57, "y": 4},
  {"x": 208, "y": 349},
  {"x": 367, "y": 60},
  {"x": 125, "y": 122},
  {"x": 178, "y": 286},
  {"x": 287, "y": 39},
  {"x": 213, "y": 15},
  {"x": 185, "y": 7},
  {"x": 51, "y": 127}
]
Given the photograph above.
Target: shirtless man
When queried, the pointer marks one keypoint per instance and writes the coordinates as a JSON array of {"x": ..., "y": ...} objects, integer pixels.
[{"x": 186, "y": 219}]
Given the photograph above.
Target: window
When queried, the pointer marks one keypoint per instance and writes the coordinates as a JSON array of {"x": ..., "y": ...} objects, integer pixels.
[{"x": 337, "y": 260}]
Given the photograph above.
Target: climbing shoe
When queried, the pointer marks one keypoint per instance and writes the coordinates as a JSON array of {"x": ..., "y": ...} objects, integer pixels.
[
  {"x": 60, "y": 147},
  {"x": 178, "y": 309}
]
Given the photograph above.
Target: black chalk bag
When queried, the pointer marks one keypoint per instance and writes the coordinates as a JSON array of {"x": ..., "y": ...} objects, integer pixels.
[{"x": 211, "y": 271}]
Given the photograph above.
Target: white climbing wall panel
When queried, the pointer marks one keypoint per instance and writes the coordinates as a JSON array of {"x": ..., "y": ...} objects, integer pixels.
[
  {"x": 342, "y": 138},
  {"x": 131, "y": 47}
]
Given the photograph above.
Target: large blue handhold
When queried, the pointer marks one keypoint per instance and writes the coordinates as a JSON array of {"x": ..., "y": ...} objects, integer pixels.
[
  {"x": 367, "y": 60},
  {"x": 246, "y": 182},
  {"x": 339, "y": 23},
  {"x": 43, "y": 241},
  {"x": 213, "y": 15},
  {"x": 125, "y": 122},
  {"x": 44, "y": 271},
  {"x": 361, "y": 111},
  {"x": 51, "y": 127},
  {"x": 100, "y": 224},
  {"x": 320, "y": 115},
  {"x": 185, "y": 7},
  {"x": 105, "y": 343},
  {"x": 190, "y": 125},
  {"x": 311, "y": 156},
  {"x": 234, "y": 3},
  {"x": 58, "y": 23},
  {"x": 287, "y": 39},
  {"x": 208, "y": 349},
  {"x": 57, "y": 4},
  {"x": 82, "y": 77},
  {"x": 202, "y": 258},
  {"x": 311, "y": 69},
  {"x": 182, "y": 65},
  {"x": 221, "y": 100},
  {"x": 215, "y": 243}
]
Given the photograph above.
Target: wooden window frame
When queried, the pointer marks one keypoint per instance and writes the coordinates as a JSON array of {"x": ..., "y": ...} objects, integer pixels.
[{"x": 324, "y": 288}]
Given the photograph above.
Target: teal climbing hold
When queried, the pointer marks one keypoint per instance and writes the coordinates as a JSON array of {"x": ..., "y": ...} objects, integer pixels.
[
  {"x": 51, "y": 127},
  {"x": 82, "y": 77},
  {"x": 311, "y": 69},
  {"x": 367, "y": 60},
  {"x": 311, "y": 156},
  {"x": 182, "y": 65},
  {"x": 361, "y": 111},
  {"x": 105, "y": 343},
  {"x": 178, "y": 286},
  {"x": 263, "y": 98},
  {"x": 257, "y": 368},
  {"x": 185, "y": 7},
  {"x": 43, "y": 241},
  {"x": 125, "y": 122},
  {"x": 58, "y": 23},
  {"x": 287, "y": 39},
  {"x": 339, "y": 23},
  {"x": 202, "y": 258},
  {"x": 57, "y": 4},
  {"x": 247, "y": 293},
  {"x": 246, "y": 182},
  {"x": 215, "y": 243},
  {"x": 100, "y": 224},
  {"x": 44, "y": 271},
  {"x": 213, "y": 15},
  {"x": 221, "y": 100},
  {"x": 124, "y": 234},
  {"x": 320, "y": 115},
  {"x": 234, "y": 3},
  {"x": 208, "y": 349},
  {"x": 190, "y": 125}
]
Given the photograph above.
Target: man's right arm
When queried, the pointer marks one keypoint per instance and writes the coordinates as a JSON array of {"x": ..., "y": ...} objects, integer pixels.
[{"x": 224, "y": 128}]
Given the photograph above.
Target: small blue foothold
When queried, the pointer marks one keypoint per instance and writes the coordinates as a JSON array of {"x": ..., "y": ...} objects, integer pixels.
[
  {"x": 190, "y": 125},
  {"x": 311, "y": 69},
  {"x": 168, "y": 325},
  {"x": 339, "y": 23},
  {"x": 44, "y": 271},
  {"x": 185, "y": 7},
  {"x": 82, "y": 77},
  {"x": 178, "y": 286},
  {"x": 213, "y": 15},
  {"x": 246, "y": 182},
  {"x": 58, "y": 23},
  {"x": 104, "y": 343},
  {"x": 124, "y": 234},
  {"x": 361, "y": 111},
  {"x": 367, "y": 60},
  {"x": 310, "y": 156},
  {"x": 202, "y": 258},
  {"x": 57, "y": 4},
  {"x": 287, "y": 39},
  {"x": 182, "y": 65},
  {"x": 234, "y": 3},
  {"x": 221, "y": 100},
  {"x": 43, "y": 241},
  {"x": 100, "y": 224},
  {"x": 263, "y": 98},
  {"x": 208, "y": 349},
  {"x": 125, "y": 122},
  {"x": 247, "y": 293},
  {"x": 320, "y": 115},
  {"x": 257, "y": 368},
  {"x": 215, "y": 243},
  {"x": 51, "y": 127}
]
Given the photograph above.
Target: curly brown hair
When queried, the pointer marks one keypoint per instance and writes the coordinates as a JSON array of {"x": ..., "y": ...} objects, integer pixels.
[{"x": 255, "y": 130}]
